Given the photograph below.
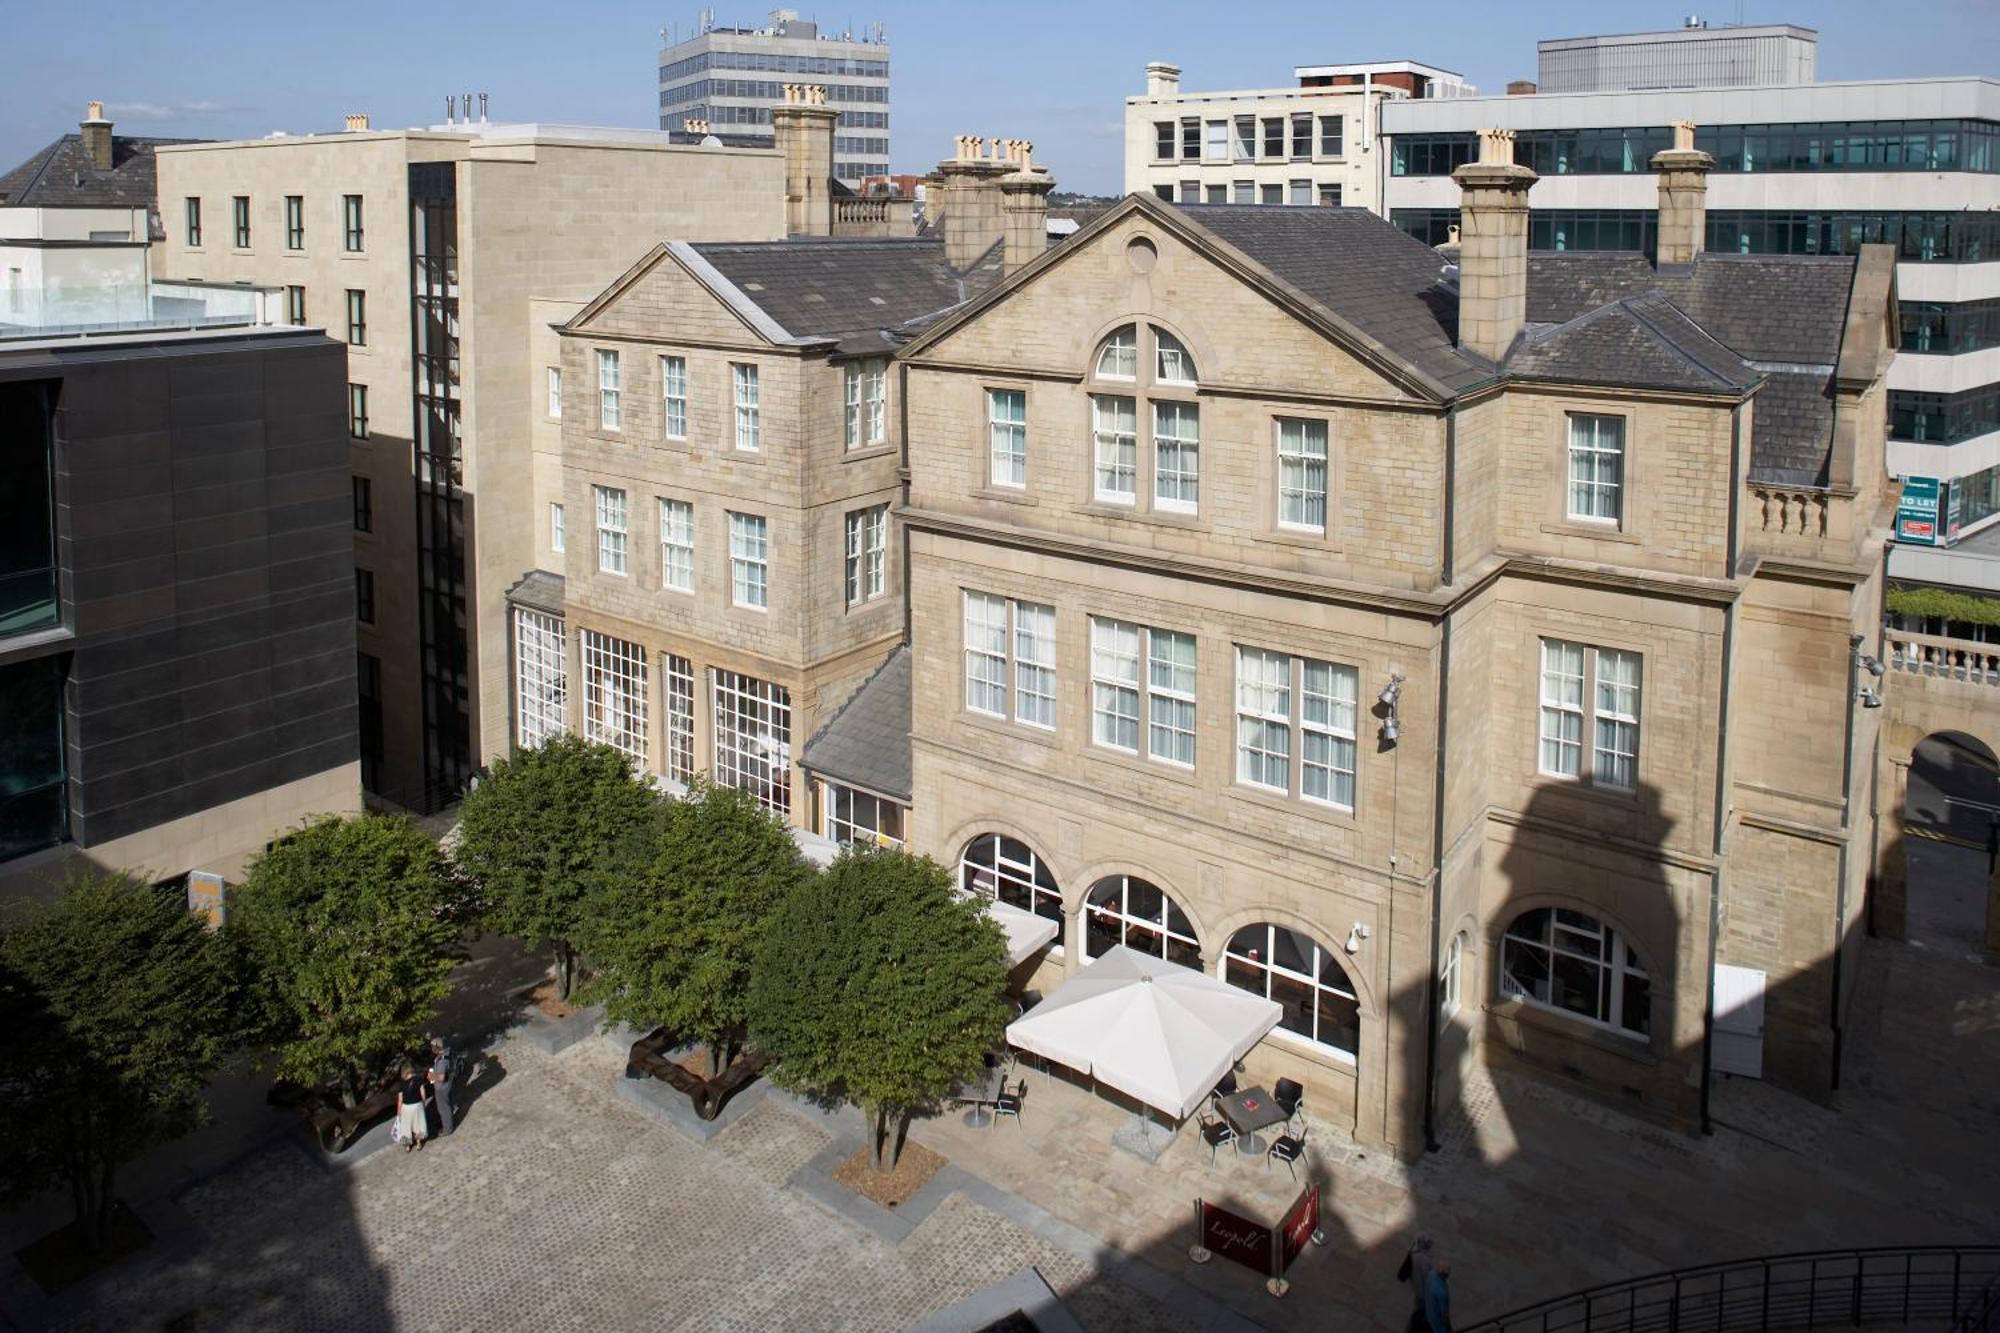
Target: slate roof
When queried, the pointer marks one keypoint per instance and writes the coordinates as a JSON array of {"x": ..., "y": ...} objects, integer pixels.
[
  {"x": 1782, "y": 314},
  {"x": 866, "y": 743},
  {"x": 1381, "y": 280},
  {"x": 1642, "y": 340},
  {"x": 859, "y": 291},
  {"x": 63, "y": 176},
  {"x": 538, "y": 590}
]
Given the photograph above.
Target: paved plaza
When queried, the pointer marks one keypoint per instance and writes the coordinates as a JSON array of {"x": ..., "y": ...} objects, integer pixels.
[{"x": 562, "y": 1205}]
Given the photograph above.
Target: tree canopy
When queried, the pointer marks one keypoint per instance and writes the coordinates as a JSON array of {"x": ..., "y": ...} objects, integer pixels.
[
  {"x": 350, "y": 931},
  {"x": 545, "y": 830},
  {"x": 675, "y": 946},
  {"x": 116, "y": 1008},
  {"x": 878, "y": 984}
]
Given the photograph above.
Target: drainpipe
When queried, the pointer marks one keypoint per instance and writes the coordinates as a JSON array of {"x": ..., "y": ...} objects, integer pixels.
[
  {"x": 1715, "y": 878},
  {"x": 903, "y": 461},
  {"x": 1450, "y": 492},
  {"x": 1437, "y": 889},
  {"x": 1854, "y": 642}
]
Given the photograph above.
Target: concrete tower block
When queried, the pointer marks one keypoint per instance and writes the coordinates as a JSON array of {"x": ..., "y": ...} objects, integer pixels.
[{"x": 1493, "y": 247}]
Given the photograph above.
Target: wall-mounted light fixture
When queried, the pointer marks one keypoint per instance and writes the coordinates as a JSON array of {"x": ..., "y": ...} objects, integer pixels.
[
  {"x": 1355, "y": 935},
  {"x": 1392, "y": 725}
]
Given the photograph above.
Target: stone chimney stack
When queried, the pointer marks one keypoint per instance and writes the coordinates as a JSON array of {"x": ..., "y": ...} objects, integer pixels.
[
  {"x": 1492, "y": 247},
  {"x": 1024, "y": 206},
  {"x": 1163, "y": 79},
  {"x": 974, "y": 214},
  {"x": 1683, "y": 197},
  {"x": 357, "y": 122},
  {"x": 803, "y": 126},
  {"x": 97, "y": 137}
]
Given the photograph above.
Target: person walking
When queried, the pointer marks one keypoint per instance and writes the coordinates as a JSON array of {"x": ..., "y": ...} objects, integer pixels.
[
  {"x": 1437, "y": 1298},
  {"x": 444, "y": 1073},
  {"x": 411, "y": 1116},
  {"x": 1417, "y": 1272}
]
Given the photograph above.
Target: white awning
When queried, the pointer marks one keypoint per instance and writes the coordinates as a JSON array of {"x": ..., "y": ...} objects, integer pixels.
[
  {"x": 1025, "y": 931},
  {"x": 1158, "y": 1032}
]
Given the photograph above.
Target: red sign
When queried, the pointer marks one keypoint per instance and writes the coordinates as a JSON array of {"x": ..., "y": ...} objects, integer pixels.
[
  {"x": 1298, "y": 1227},
  {"x": 1238, "y": 1238}
]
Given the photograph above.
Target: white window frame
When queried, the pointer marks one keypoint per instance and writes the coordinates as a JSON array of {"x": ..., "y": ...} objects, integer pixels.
[
  {"x": 556, "y": 532},
  {"x": 1450, "y": 979},
  {"x": 1590, "y": 714},
  {"x": 1594, "y": 446},
  {"x": 753, "y": 738},
  {"x": 1314, "y": 705},
  {"x": 988, "y": 869},
  {"x": 866, "y": 417},
  {"x": 1177, "y": 486},
  {"x": 1264, "y": 965},
  {"x": 749, "y": 561},
  {"x": 1169, "y": 351},
  {"x": 744, "y": 396},
  {"x": 1007, "y": 439},
  {"x": 1582, "y": 940},
  {"x": 1136, "y": 690},
  {"x": 613, "y": 546},
  {"x": 867, "y": 554},
  {"x": 676, "y": 545},
  {"x": 1302, "y": 501},
  {"x": 609, "y": 413},
  {"x": 1120, "y": 349},
  {"x": 555, "y": 393},
  {"x": 1215, "y": 141},
  {"x": 678, "y": 674},
  {"x": 851, "y": 815},
  {"x": 673, "y": 397},
  {"x": 541, "y": 671},
  {"x": 1115, "y": 472},
  {"x": 1010, "y": 650},
  {"x": 1155, "y": 938},
  {"x": 614, "y": 693}
]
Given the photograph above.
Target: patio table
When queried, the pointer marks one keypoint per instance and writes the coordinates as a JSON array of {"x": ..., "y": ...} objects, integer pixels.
[
  {"x": 983, "y": 1097},
  {"x": 1248, "y": 1111}
]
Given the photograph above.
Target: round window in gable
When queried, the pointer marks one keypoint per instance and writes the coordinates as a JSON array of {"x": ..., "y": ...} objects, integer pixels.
[{"x": 1141, "y": 254}]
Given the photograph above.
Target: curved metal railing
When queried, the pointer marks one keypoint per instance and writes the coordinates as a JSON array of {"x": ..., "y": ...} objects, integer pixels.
[{"x": 1944, "y": 1287}]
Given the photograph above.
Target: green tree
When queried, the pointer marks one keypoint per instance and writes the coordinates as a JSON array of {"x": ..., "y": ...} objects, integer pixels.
[
  {"x": 116, "y": 1008},
  {"x": 674, "y": 947},
  {"x": 349, "y": 929},
  {"x": 880, "y": 985},
  {"x": 543, "y": 831}
]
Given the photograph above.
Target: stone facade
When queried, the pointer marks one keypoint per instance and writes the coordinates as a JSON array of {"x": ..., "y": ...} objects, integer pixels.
[{"x": 1446, "y": 563}]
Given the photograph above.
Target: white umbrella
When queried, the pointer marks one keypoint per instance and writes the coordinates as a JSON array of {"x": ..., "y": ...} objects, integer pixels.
[
  {"x": 1025, "y": 931},
  {"x": 1158, "y": 1032}
]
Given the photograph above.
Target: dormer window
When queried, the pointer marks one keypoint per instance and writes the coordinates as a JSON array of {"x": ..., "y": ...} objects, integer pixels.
[{"x": 1118, "y": 355}]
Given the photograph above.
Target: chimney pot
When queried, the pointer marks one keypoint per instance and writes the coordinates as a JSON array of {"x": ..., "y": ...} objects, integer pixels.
[{"x": 357, "y": 121}]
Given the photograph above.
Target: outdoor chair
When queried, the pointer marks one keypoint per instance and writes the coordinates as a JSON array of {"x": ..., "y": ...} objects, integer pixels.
[
  {"x": 1009, "y": 1103},
  {"x": 1288, "y": 1150},
  {"x": 1289, "y": 1096},
  {"x": 1215, "y": 1133},
  {"x": 1226, "y": 1088}
]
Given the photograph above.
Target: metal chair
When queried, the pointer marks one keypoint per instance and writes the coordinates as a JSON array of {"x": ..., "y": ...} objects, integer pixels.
[
  {"x": 1289, "y": 1096},
  {"x": 1226, "y": 1088},
  {"x": 1288, "y": 1150},
  {"x": 1215, "y": 1133},
  {"x": 1009, "y": 1103}
]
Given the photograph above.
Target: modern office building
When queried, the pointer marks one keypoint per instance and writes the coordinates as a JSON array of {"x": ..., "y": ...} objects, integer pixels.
[
  {"x": 439, "y": 257},
  {"x": 77, "y": 221},
  {"x": 1692, "y": 56},
  {"x": 1314, "y": 143},
  {"x": 1806, "y": 168},
  {"x": 177, "y": 592},
  {"x": 732, "y": 78}
]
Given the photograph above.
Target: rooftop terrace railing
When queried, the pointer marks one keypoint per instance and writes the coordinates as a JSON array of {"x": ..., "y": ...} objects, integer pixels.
[{"x": 1942, "y": 1287}]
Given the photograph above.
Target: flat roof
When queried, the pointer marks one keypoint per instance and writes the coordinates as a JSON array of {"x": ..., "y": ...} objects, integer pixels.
[
  {"x": 1964, "y": 96},
  {"x": 1680, "y": 35},
  {"x": 1374, "y": 67}
]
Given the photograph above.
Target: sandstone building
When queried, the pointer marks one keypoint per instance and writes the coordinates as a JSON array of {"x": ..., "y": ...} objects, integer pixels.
[{"x": 1461, "y": 653}]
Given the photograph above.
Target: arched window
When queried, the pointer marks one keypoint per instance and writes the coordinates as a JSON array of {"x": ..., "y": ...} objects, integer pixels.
[
  {"x": 1573, "y": 963},
  {"x": 1125, "y": 405},
  {"x": 1450, "y": 978},
  {"x": 997, "y": 866},
  {"x": 1124, "y": 910},
  {"x": 1293, "y": 969},
  {"x": 1118, "y": 355}
]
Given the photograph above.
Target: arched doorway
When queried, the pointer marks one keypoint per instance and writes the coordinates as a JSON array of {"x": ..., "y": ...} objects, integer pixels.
[{"x": 1951, "y": 818}]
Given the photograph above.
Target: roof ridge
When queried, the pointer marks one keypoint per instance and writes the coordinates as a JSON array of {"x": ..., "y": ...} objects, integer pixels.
[
  {"x": 48, "y": 156},
  {"x": 1633, "y": 306},
  {"x": 848, "y": 702}
]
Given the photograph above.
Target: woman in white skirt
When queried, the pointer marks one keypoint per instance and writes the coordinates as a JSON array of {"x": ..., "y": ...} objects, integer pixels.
[{"x": 411, "y": 1118}]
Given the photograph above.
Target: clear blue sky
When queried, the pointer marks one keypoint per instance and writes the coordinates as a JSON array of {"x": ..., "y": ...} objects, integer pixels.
[{"x": 1056, "y": 73}]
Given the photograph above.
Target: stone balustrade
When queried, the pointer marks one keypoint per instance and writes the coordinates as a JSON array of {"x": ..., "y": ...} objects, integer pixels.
[
  {"x": 1783, "y": 510},
  {"x": 1935, "y": 655}
]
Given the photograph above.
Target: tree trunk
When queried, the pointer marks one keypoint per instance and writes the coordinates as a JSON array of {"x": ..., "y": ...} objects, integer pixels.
[
  {"x": 107, "y": 1203},
  {"x": 902, "y": 1137},
  {"x": 565, "y": 970},
  {"x": 878, "y": 1134},
  {"x": 718, "y": 1057},
  {"x": 90, "y": 1190}
]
